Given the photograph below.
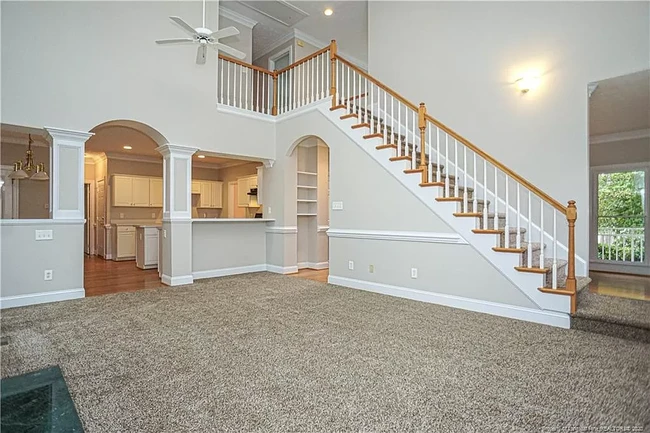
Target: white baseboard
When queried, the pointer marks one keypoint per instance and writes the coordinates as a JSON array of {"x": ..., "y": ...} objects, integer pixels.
[
  {"x": 41, "y": 298},
  {"x": 282, "y": 270},
  {"x": 551, "y": 318},
  {"x": 176, "y": 281},
  {"x": 314, "y": 265},
  {"x": 213, "y": 273}
]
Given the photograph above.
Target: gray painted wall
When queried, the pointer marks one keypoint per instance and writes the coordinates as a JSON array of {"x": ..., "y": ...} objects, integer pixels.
[
  {"x": 24, "y": 260},
  {"x": 221, "y": 245},
  {"x": 621, "y": 152}
]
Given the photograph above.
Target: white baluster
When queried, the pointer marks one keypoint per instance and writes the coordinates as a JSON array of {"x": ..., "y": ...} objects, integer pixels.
[
  {"x": 456, "y": 168},
  {"x": 465, "y": 186},
  {"x": 496, "y": 199},
  {"x": 365, "y": 100},
  {"x": 518, "y": 235},
  {"x": 351, "y": 101},
  {"x": 485, "y": 206},
  {"x": 507, "y": 211},
  {"x": 430, "y": 171},
  {"x": 347, "y": 101},
  {"x": 384, "y": 117},
  {"x": 438, "y": 153},
  {"x": 228, "y": 82},
  {"x": 392, "y": 121},
  {"x": 413, "y": 152},
  {"x": 221, "y": 81},
  {"x": 541, "y": 233},
  {"x": 446, "y": 164},
  {"x": 475, "y": 201},
  {"x": 292, "y": 90},
  {"x": 257, "y": 91},
  {"x": 530, "y": 226},
  {"x": 245, "y": 74},
  {"x": 327, "y": 78},
  {"x": 399, "y": 129},
  {"x": 357, "y": 99},
  {"x": 373, "y": 125},
  {"x": 234, "y": 85},
  {"x": 554, "y": 250}
]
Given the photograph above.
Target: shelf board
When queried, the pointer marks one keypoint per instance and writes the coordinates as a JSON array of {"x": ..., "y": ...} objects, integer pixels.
[
  {"x": 307, "y": 173},
  {"x": 300, "y": 200},
  {"x": 307, "y": 214},
  {"x": 307, "y": 187}
]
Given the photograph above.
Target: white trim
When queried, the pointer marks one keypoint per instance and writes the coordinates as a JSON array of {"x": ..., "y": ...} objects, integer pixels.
[
  {"x": 276, "y": 56},
  {"x": 37, "y": 222},
  {"x": 176, "y": 281},
  {"x": 282, "y": 230},
  {"x": 381, "y": 235},
  {"x": 282, "y": 270},
  {"x": 246, "y": 113},
  {"x": 41, "y": 298},
  {"x": 314, "y": 265},
  {"x": 232, "y": 220},
  {"x": 213, "y": 273},
  {"x": 236, "y": 17},
  {"x": 620, "y": 136},
  {"x": 551, "y": 318}
]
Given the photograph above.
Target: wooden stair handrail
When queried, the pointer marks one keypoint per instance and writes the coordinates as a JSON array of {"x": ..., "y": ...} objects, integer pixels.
[
  {"x": 303, "y": 60},
  {"x": 244, "y": 64}
]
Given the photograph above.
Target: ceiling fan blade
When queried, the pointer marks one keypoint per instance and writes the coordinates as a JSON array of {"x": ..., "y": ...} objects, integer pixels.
[
  {"x": 229, "y": 50},
  {"x": 201, "y": 53},
  {"x": 183, "y": 25},
  {"x": 224, "y": 33},
  {"x": 175, "y": 41}
]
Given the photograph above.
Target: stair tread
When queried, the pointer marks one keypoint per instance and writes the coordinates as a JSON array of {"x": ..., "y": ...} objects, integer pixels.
[{"x": 548, "y": 266}]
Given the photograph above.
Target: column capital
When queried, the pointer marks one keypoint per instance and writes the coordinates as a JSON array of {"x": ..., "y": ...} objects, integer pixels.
[
  {"x": 176, "y": 150},
  {"x": 68, "y": 134}
]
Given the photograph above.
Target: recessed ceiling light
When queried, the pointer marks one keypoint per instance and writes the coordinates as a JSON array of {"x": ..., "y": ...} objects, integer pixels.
[
  {"x": 201, "y": 156},
  {"x": 328, "y": 11},
  {"x": 128, "y": 147}
]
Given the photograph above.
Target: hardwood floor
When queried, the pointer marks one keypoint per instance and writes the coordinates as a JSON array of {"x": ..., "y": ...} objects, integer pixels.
[
  {"x": 313, "y": 274},
  {"x": 102, "y": 277},
  {"x": 621, "y": 285}
]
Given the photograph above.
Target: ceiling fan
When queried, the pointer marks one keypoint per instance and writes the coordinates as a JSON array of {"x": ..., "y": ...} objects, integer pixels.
[{"x": 204, "y": 37}]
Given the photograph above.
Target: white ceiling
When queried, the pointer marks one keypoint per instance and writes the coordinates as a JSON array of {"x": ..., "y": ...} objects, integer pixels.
[
  {"x": 348, "y": 25},
  {"x": 620, "y": 104}
]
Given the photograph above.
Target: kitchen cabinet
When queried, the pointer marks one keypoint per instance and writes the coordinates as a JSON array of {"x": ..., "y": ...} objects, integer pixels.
[
  {"x": 196, "y": 187},
  {"x": 155, "y": 192},
  {"x": 211, "y": 194},
  {"x": 146, "y": 249},
  {"x": 137, "y": 191},
  {"x": 244, "y": 185},
  {"x": 125, "y": 243}
]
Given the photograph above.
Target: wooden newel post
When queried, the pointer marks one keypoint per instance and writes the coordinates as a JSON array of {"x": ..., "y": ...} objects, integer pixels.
[
  {"x": 333, "y": 72},
  {"x": 422, "y": 124},
  {"x": 572, "y": 216},
  {"x": 274, "y": 109}
]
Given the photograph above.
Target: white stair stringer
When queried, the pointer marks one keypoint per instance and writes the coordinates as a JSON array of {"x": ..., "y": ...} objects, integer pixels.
[{"x": 528, "y": 283}]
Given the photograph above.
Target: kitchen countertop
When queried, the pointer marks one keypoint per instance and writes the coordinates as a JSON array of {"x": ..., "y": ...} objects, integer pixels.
[{"x": 231, "y": 220}]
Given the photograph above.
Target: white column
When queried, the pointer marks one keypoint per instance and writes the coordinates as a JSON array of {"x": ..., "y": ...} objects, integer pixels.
[
  {"x": 177, "y": 214},
  {"x": 67, "y": 173}
]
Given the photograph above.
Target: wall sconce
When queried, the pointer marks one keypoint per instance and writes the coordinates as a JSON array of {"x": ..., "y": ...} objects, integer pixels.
[{"x": 527, "y": 83}]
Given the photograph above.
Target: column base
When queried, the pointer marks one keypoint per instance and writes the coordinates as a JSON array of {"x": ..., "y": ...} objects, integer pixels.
[{"x": 180, "y": 280}]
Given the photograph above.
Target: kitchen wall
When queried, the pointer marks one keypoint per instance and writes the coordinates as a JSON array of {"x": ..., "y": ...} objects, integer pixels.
[
  {"x": 34, "y": 195},
  {"x": 462, "y": 58}
]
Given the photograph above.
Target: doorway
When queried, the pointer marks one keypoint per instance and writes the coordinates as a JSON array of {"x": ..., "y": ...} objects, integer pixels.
[{"x": 8, "y": 194}]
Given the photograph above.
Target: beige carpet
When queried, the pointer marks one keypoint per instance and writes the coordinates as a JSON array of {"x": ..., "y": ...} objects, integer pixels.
[{"x": 264, "y": 352}]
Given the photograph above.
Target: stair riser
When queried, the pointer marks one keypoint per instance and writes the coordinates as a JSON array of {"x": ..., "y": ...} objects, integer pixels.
[
  {"x": 561, "y": 277},
  {"x": 512, "y": 238},
  {"x": 470, "y": 207},
  {"x": 490, "y": 224}
]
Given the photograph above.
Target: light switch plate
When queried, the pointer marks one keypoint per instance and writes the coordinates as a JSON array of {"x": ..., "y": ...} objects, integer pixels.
[
  {"x": 337, "y": 205},
  {"x": 351, "y": 265},
  {"x": 43, "y": 235},
  {"x": 414, "y": 272}
]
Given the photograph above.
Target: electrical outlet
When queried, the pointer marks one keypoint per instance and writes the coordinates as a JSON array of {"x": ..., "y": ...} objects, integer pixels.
[
  {"x": 153, "y": 215},
  {"x": 371, "y": 269},
  {"x": 47, "y": 275},
  {"x": 351, "y": 265},
  {"x": 337, "y": 205},
  {"x": 43, "y": 235},
  {"x": 164, "y": 233},
  {"x": 414, "y": 272},
  {"x": 269, "y": 210},
  {"x": 121, "y": 215}
]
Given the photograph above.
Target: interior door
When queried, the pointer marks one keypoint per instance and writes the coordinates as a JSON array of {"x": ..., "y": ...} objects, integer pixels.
[
  {"x": 100, "y": 241},
  {"x": 620, "y": 219}
]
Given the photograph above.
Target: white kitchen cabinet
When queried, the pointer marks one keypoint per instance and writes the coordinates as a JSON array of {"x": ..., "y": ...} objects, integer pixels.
[
  {"x": 155, "y": 192},
  {"x": 125, "y": 243},
  {"x": 146, "y": 256},
  {"x": 122, "y": 191},
  {"x": 211, "y": 194},
  {"x": 137, "y": 191},
  {"x": 244, "y": 185},
  {"x": 196, "y": 187}
]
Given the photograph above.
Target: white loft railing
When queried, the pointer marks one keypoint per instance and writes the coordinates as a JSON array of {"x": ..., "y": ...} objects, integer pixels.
[
  {"x": 621, "y": 244},
  {"x": 504, "y": 201},
  {"x": 244, "y": 86}
]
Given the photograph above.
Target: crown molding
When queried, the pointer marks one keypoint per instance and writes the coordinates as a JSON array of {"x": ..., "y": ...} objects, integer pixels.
[
  {"x": 620, "y": 136},
  {"x": 236, "y": 17},
  {"x": 591, "y": 88}
]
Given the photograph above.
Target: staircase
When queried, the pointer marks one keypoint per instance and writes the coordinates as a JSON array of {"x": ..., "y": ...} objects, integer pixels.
[{"x": 522, "y": 231}]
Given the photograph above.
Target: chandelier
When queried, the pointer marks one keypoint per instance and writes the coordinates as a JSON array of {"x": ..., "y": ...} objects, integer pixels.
[{"x": 30, "y": 169}]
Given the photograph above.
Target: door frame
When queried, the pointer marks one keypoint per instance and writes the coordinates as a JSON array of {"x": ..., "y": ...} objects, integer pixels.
[
  {"x": 15, "y": 191},
  {"x": 595, "y": 264},
  {"x": 279, "y": 54},
  {"x": 92, "y": 222}
]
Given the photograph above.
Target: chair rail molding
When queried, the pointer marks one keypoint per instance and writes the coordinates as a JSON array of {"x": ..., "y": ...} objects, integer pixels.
[{"x": 403, "y": 236}]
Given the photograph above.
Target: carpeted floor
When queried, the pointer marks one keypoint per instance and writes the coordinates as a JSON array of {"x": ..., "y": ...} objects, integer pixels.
[{"x": 265, "y": 352}]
